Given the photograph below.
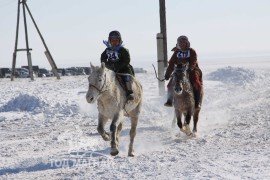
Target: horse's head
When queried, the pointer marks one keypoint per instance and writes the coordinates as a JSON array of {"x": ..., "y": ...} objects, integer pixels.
[
  {"x": 180, "y": 77},
  {"x": 97, "y": 82}
]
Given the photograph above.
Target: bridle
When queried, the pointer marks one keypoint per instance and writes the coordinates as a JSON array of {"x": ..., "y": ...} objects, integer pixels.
[
  {"x": 185, "y": 81},
  {"x": 176, "y": 73},
  {"x": 100, "y": 91}
]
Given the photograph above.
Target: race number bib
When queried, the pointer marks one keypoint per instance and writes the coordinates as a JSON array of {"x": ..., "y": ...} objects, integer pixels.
[
  {"x": 183, "y": 54},
  {"x": 112, "y": 55}
]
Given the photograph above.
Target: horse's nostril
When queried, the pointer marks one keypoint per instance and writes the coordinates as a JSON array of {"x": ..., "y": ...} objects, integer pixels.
[{"x": 91, "y": 99}]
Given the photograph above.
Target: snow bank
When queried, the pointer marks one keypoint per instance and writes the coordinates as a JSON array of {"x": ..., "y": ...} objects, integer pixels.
[
  {"x": 23, "y": 102},
  {"x": 232, "y": 75},
  {"x": 62, "y": 141}
]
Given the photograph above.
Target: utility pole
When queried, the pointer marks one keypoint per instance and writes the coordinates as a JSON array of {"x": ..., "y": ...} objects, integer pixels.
[
  {"x": 163, "y": 29},
  {"x": 47, "y": 52},
  {"x": 160, "y": 55},
  {"x": 162, "y": 47}
]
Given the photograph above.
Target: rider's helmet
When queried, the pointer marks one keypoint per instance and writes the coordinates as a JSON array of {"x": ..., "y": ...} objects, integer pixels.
[
  {"x": 182, "y": 38},
  {"x": 115, "y": 34}
]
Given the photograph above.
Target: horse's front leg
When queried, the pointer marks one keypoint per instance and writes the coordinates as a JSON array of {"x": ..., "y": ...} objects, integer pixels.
[
  {"x": 186, "y": 124},
  {"x": 101, "y": 123},
  {"x": 132, "y": 134},
  {"x": 195, "y": 121},
  {"x": 118, "y": 132},
  {"x": 174, "y": 121},
  {"x": 178, "y": 115},
  {"x": 196, "y": 117},
  {"x": 114, "y": 126}
]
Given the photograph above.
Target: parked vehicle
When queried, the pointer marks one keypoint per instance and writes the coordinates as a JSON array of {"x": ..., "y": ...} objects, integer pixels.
[
  {"x": 42, "y": 72},
  {"x": 23, "y": 69},
  {"x": 5, "y": 72},
  {"x": 70, "y": 72},
  {"x": 139, "y": 70},
  {"x": 22, "y": 72}
]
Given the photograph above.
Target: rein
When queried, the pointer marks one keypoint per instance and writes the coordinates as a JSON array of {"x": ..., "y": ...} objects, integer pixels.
[
  {"x": 156, "y": 74},
  {"x": 100, "y": 91}
]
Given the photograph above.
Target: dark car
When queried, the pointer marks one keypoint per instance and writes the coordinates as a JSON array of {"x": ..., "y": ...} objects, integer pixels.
[
  {"x": 22, "y": 72},
  {"x": 42, "y": 72},
  {"x": 5, "y": 72}
]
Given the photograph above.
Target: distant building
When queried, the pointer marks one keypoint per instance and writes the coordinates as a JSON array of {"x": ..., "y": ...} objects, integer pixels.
[{"x": 139, "y": 70}]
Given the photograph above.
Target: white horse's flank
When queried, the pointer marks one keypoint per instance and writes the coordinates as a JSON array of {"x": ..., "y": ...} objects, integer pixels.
[{"x": 112, "y": 104}]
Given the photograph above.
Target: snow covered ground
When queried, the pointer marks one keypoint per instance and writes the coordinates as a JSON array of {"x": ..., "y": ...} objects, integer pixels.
[{"x": 48, "y": 131}]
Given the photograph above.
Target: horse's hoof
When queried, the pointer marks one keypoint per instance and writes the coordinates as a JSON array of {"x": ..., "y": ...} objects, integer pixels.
[
  {"x": 194, "y": 133},
  {"x": 131, "y": 155},
  {"x": 189, "y": 134},
  {"x": 106, "y": 137},
  {"x": 188, "y": 131},
  {"x": 183, "y": 130},
  {"x": 114, "y": 152}
]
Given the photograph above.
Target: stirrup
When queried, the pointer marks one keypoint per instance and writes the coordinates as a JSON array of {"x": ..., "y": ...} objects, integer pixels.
[
  {"x": 198, "y": 107},
  {"x": 130, "y": 97}
]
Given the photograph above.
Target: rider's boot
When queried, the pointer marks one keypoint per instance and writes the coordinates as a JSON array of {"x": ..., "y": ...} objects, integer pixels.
[
  {"x": 130, "y": 94},
  {"x": 197, "y": 98},
  {"x": 169, "y": 98}
]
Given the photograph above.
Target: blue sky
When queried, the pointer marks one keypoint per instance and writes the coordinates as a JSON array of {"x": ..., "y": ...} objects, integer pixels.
[{"x": 74, "y": 30}]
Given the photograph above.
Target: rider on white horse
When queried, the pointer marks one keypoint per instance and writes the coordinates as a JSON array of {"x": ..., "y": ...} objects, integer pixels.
[{"x": 117, "y": 59}]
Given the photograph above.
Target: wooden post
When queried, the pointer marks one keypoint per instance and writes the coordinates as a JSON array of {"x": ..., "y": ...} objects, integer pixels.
[
  {"x": 162, "y": 47},
  {"x": 47, "y": 52},
  {"x": 53, "y": 65},
  {"x": 161, "y": 84},
  {"x": 16, "y": 43},
  {"x": 163, "y": 30},
  {"x": 27, "y": 44},
  {"x": 29, "y": 59}
]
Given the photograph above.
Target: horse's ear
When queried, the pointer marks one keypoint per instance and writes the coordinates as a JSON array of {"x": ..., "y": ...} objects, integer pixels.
[
  {"x": 91, "y": 67},
  {"x": 103, "y": 65}
]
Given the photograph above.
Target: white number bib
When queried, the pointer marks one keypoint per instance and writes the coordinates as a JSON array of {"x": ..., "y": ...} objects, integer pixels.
[
  {"x": 112, "y": 55},
  {"x": 183, "y": 54}
]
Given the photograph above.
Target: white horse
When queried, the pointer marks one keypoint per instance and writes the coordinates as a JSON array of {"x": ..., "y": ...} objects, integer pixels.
[{"x": 112, "y": 104}]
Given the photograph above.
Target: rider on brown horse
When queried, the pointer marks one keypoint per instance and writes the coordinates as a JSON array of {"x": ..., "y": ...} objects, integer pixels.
[{"x": 183, "y": 54}]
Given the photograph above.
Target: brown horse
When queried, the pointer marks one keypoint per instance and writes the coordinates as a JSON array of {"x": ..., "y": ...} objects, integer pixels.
[
  {"x": 184, "y": 100},
  {"x": 113, "y": 104}
]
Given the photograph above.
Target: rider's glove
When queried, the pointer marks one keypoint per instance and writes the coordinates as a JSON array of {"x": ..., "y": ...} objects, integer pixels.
[{"x": 167, "y": 77}]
